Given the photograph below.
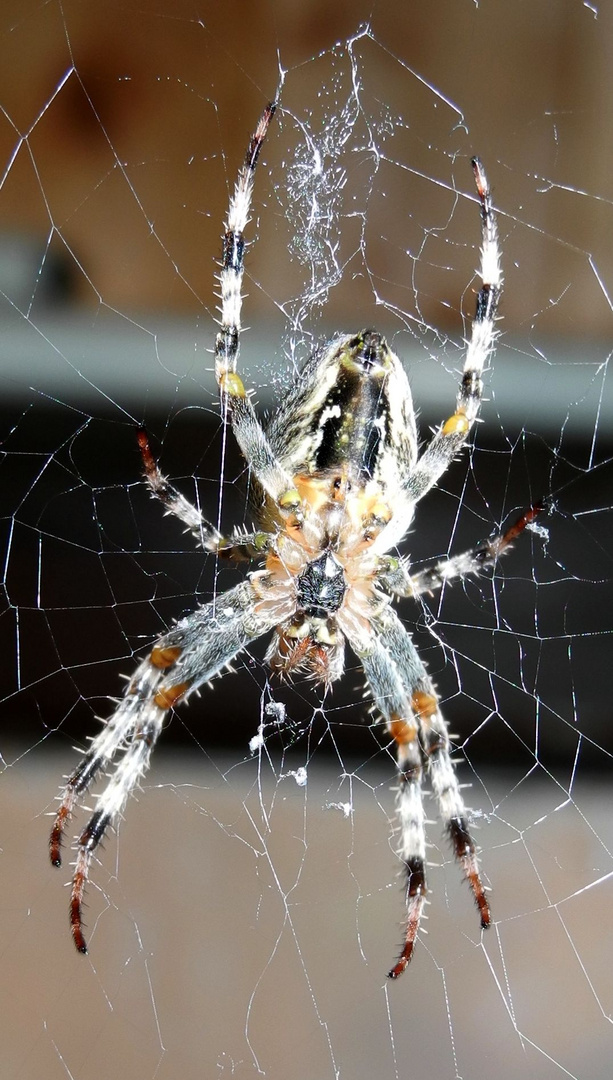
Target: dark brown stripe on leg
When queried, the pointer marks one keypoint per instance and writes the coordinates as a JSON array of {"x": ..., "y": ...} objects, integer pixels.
[
  {"x": 415, "y": 894},
  {"x": 464, "y": 850}
]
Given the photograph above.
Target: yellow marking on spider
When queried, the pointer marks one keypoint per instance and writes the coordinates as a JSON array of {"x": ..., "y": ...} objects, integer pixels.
[
  {"x": 230, "y": 383},
  {"x": 402, "y": 731},
  {"x": 167, "y": 696},
  {"x": 290, "y": 500},
  {"x": 458, "y": 424},
  {"x": 318, "y": 491},
  {"x": 325, "y": 636},
  {"x": 370, "y": 514},
  {"x": 164, "y": 658},
  {"x": 424, "y": 705},
  {"x": 372, "y": 509}
]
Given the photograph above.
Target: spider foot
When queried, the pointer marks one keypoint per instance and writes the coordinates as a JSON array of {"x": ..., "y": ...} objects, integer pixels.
[
  {"x": 414, "y": 912},
  {"x": 88, "y": 842},
  {"x": 416, "y": 898},
  {"x": 464, "y": 850},
  {"x": 79, "y": 882},
  {"x": 491, "y": 550},
  {"x": 77, "y": 783},
  {"x": 57, "y": 835}
]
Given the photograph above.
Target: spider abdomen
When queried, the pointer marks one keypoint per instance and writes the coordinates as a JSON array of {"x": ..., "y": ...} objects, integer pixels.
[{"x": 351, "y": 404}]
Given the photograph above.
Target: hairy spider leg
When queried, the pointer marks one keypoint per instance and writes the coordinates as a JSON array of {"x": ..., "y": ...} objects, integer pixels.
[
  {"x": 175, "y": 503},
  {"x": 434, "y": 740},
  {"x": 248, "y": 431},
  {"x": 452, "y": 435},
  {"x": 232, "y": 262},
  {"x": 191, "y": 653},
  {"x": 403, "y": 581},
  {"x": 241, "y": 545},
  {"x": 392, "y": 701},
  {"x": 405, "y": 697}
]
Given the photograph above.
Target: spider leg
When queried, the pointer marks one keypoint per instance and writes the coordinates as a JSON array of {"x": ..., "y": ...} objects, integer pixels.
[
  {"x": 232, "y": 262},
  {"x": 241, "y": 545},
  {"x": 397, "y": 576},
  {"x": 191, "y": 653},
  {"x": 160, "y": 487},
  {"x": 453, "y": 434},
  {"x": 406, "y": 698},
  {"x": 386, "y": 683},
  {"x": 248, "y": 431},
  {"x": 435, "y": 743}
]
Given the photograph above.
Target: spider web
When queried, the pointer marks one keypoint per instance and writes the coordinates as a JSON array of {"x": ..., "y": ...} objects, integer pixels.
[{"x": 267, "y": 819}]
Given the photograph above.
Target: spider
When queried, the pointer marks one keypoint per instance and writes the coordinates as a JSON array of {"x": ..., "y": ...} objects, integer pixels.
[{"x": 338, "y": 474}]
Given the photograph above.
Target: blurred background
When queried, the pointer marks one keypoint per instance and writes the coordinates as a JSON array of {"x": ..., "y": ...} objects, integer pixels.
[{"x": 121, "y": 130}]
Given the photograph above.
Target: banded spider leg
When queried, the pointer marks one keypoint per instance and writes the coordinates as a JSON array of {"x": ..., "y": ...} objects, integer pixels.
[{"x": 191, "y": 653}]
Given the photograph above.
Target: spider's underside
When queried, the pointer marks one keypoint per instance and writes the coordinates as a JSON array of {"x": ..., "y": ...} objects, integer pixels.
[{"x": 339, "y": 473}]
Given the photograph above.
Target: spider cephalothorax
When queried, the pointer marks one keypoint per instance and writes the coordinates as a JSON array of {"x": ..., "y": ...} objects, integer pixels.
[{"x": 338, "y": 474}]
